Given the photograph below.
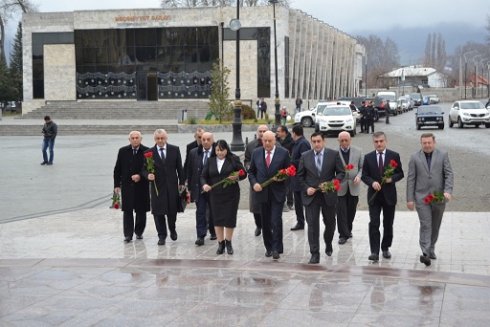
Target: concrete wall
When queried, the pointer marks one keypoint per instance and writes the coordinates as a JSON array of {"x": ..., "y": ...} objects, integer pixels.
[{"x": 59, "y": 72}]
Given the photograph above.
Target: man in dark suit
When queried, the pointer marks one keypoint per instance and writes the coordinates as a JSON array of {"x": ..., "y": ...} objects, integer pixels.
[
  {"x": 381, "y": 194},
  {"x": 168, "y": 179},
  {"x": 317, "y": 166},
  {"x": 300, "y": 145},
  {"x": 198, "y": 157},
  {"x": 285, "y": 139},
  {"x": 429, "y": 171},
  {"x": 194, "y": 144},
  {"x": 265, "y": 163},
  {"x": 133, "y": 189},
  {"x": 253, "y": 205}
]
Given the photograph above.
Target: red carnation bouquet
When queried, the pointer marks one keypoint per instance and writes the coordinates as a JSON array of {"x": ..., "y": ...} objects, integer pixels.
[
  {"x": 436, "y": 197},
  {"x": 116, "y": 201},
  {"x": 229, "y": 181},
  {"x": 280, "y": 176},
  {"x": 150, "y": 166},
  {"x": 388, "y": 173},
  {"x": 330, "y": 186}
]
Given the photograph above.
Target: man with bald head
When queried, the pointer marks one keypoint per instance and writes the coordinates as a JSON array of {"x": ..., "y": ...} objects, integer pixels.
[
  {"x": 133, "y": 188},
  {"x": 266, "y": 161},
  {"x": 165, "y": 183},
  {"x": 198, "y": 158},
  {"x": 352, "y": 160},
  {"x": 251, "y": 146}
]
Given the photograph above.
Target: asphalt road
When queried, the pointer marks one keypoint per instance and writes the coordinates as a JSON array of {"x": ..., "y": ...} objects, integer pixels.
[{"x": 82, "y": 174}]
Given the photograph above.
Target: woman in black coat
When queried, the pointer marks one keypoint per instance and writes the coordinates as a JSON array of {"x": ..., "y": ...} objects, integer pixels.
[{"x": 223, "y": 198}]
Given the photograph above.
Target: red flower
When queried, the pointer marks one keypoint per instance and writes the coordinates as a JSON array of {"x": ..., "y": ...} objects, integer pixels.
[
  {"x": 389, "y": 172},
  {"x": 280, "y": 176},
  {"x": 229, "y": 181},
  {"x": 331, "y": 186},
  {"x": 148, "y": 154},
  {"x": 349, "y": 167},
  {"x": 150, "y": 166},
  {"x": 393, "y": 163},
  {"x": 241, "y": 173},
  {"x": 437, "y": 197},
  {"x": 116, "y": 200}
]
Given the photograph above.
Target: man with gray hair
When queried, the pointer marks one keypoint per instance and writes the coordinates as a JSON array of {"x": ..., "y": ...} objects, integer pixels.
[
  {"x": 133, "y": 188},
  {"x": 429, "y": 187},
  {"x": 165, "y": 179}
]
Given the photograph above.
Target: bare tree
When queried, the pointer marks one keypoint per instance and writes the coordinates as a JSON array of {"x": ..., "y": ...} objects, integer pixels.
[
  {"x": 7, "y": 9},
  {"x": 435, "y": 52}
]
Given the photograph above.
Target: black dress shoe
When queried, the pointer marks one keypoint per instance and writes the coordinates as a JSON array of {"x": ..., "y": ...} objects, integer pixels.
[
  {"x": 350, "y": 235},
  {"x": 139, "y": 237},
  {"x": 386, "y": 254},
  {"x": 342, "y": 240},
  {"x": 258, "y": 231},
  {"x": 374, "y": 257},
  {"x": 315, "y": 258},
  {"x": 229, "y": 248},
  {"x": 173, "y": 236},
  {"x": 275, "y": 255},
  {"x": 213, "y": 237},
  {"x": 298, "y": 227},
  {"x": 268, "y": 253},
  {"x": 127, "y": 239},
  {"x": 425, "y": 260},
  {"x": 199, "y": 242},
  {"x": 433, "y": 256},
  {"x": 329, "y": 250},
  {"x": 44, "y": 163},
  {"x": 161, "y": 242}
]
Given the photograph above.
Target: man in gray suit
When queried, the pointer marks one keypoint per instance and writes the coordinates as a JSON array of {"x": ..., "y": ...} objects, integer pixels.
[
  {"x": 352, "y": 159},
  {"x": 429, "y": 171},
  {"x": 317, "y": 166}
]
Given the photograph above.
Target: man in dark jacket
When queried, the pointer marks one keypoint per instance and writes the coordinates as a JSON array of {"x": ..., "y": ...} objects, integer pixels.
[
  {"x": 133, "y": 188},
  {"x": 50, "y": 130},
  {"x": 286, "y": 141},
  {"x": 195, "y": 164}
]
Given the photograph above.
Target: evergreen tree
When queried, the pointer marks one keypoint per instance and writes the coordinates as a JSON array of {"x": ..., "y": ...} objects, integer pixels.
[
  {"x": 219, "y": 105},
  {"x": 16, "y": 64}
]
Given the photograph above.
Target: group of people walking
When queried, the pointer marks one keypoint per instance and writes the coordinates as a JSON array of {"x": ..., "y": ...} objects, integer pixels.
[{"x": 282, "y": 167}]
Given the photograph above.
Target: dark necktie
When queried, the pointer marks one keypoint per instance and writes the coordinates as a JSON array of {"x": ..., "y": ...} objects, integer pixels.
[
  {"x": 206, "y": 154},
  {"x": 428, "y": 157},
  {"x": 380, "y": 163},
  {"x": 135, "y": 151},
  {"x": 162, "y": 154}
]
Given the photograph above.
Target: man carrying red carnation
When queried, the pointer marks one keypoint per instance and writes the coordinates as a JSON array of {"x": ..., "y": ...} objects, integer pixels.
[
  {"x": 429, "y": 186},
  {"x": 318, "y": 172}
]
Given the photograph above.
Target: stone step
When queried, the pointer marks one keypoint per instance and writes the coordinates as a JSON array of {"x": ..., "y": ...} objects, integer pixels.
[{"x": 77, "y": 129}]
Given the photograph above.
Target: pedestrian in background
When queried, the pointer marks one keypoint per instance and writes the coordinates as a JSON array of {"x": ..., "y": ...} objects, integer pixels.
[
  {"x": 50, "y": 130},
  {"x": 133, "y": 189},
  {"x": 298, "y": 103},
  {"x": 429, "y": 186}
]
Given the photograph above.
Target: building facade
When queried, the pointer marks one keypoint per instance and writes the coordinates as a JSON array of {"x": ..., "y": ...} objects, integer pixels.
[{"x": 156, "y": 55}]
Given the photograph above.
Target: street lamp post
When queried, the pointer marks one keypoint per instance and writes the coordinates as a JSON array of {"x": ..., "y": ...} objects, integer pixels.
[
  {"x": 466, "y": 69},
  {"x": 237, "y": 141},
  {"x": 277, "y": 102}
]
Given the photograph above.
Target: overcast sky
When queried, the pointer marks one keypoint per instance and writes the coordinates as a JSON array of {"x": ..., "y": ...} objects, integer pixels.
[{"x": 347, "y": 15}]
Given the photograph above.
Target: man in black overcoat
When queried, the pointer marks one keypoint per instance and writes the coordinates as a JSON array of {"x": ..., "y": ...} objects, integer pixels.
[
  {"x": 168, "y": 179},
  {"x": 133, "y": 189}
]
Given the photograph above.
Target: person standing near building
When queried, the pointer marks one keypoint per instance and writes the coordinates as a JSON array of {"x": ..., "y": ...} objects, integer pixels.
[
  {"x": 362, "y": 111},
  {"x": 263, "y": 108},
  {"x": 300, "y": 146},
  {"x": 133, "y": 189},
  {"x": 298, "y": 103},
  {"x": 352, "y": 160},
  {"x": 198, "y": 157},
  {"x": 223, "y": 200},
  {"x": 165, "y": 183},
  {"x": 369, "y": 122},
  {"x": 264, "y": 165},
  {"x": 381, "y": 193},
  {"x": 50, "y": 130},
  {"x": 286, "y": 141},
  {"x": 254, "y": 207},
  {"x": 429, "y": 175},
  {"x": 317, "y": 166}
]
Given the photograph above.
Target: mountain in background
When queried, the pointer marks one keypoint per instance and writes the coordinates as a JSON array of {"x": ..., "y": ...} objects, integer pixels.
[{"x": 411, "y": 41}]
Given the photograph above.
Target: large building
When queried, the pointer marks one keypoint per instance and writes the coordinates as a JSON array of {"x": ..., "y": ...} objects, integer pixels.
[{"x": 156, "y": 55}]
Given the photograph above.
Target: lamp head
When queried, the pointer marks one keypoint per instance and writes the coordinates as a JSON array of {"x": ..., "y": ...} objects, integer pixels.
[{"x": 235, "y": 24}]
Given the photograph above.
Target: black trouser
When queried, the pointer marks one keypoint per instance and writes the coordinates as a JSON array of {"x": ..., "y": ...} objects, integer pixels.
[
  {"x": 129, "y": 225},
  {"x": 161, "y": 225},
  {"x": 289, "y": 196},
  {"x": 363, "y": 124},
  {"x": 313, "y": 220},
  {"x": 346, "y": 211},
  {"x": 298, "y": 207},
  {"x": 374, "y": 223},
  {"x": 271, "y": 213},
  {"x": 258, "y": 220},
  {"x": 369, "y": 123}
]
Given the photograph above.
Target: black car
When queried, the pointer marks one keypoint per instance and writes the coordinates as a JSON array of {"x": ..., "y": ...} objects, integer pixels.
[{"x": 429, "y": 116}]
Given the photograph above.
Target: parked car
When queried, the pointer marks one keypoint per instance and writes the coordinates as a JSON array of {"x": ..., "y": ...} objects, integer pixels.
[
  {"x": 432, "y": 116},
  {"x": 335, "y": 119},
  {"x": 433, "y": 99},
  {"x": 416, "y": 98},
  {"x": 391, "y": 97},
  {"x": 469, "y": 112},
  {"x": 308, "y": 118}
]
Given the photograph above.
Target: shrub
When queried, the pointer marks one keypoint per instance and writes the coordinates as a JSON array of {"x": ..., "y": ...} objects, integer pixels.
[{"x": 248, "y": 112}]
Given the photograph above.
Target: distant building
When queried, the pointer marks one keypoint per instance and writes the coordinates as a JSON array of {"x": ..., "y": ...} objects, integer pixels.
[
  {"x": 157, "y": 55},
  {"x": 415, "y": 76}
]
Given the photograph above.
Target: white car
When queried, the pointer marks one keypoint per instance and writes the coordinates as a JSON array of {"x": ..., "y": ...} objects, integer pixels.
[
  {"x": 307, "y": 118},
  {"x": 335, "y": 119},
  {"x": 469, "y": 112}
]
